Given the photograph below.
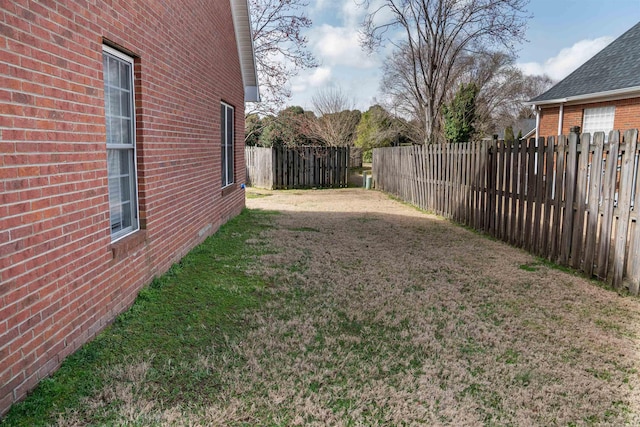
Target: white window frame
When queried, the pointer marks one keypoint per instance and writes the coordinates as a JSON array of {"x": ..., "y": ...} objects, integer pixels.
[
  {"x": 598, "y": 119},
  {"x": 227, "y": 137},
  {"x": 131, "y": 148}
]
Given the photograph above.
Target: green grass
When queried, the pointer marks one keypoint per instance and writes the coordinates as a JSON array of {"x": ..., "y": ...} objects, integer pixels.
[
  {"x": 194, "y": 306},
  {"x": 255, "y": 194}
]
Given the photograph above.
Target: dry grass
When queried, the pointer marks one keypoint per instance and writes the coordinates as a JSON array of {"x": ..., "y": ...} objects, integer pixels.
[{"x": 382, "y": 315}]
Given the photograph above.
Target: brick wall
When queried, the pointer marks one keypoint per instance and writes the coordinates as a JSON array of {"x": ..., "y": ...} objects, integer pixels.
[
  {"x": 627, "y": 116},
  {"x": 61, "y": 278}
]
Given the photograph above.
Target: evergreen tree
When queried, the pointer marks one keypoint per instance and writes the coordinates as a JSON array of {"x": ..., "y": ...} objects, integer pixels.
[
  {"x": 508, "y": 134},
  {"x": 460, "y": 114}
]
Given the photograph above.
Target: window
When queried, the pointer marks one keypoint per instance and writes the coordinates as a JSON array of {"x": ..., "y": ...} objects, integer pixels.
[
  {"x": 598, "y": 120},
  {"x": 226, "y": 142},
  {"x": 121, "y": 144}
]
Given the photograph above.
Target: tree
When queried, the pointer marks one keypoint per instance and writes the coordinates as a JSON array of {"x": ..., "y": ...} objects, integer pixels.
[
  {"x": 280, "y": 49},
  {"x": 460, "y": 114},
  {"x": 508, "y": 134},
  {"x": 253, "y": 128},
  {"x": 503, "y": 89},
  {"x": 336, "y": 123},
  {"x": 374, "y": 129},
  {"x": 286, "y": 129},
  {"x": 438, "y": 36}
]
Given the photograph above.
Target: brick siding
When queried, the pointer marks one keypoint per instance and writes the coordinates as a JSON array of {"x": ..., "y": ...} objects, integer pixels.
[
  {"x": 627, "y": 116},
  {"x": 61, "y": 278}
]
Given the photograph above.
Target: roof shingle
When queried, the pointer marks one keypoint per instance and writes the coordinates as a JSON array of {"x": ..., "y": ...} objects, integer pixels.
[{"x": 617, "y": 66}]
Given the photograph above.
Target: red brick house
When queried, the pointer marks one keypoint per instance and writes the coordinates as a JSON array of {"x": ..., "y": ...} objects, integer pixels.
[
  {"x": 121, "y": 148},
  {"x": 601, "y": 95}
]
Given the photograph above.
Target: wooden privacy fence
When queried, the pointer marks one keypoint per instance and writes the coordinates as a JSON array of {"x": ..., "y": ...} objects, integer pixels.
[
  {"x": 300, "y": 167},
  {"x": 259, "y": 162},
  {"x": 572, "y": 199}
]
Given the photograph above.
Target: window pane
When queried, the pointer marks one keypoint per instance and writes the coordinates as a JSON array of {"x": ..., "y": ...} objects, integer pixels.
[
  {"x": 114, "y": 165},
  {"x": 120, "y": 188},
  {"x": 126, "y": 131},
  {"x": 112, "y": 96},
  {"x": 229, "y": 164},
  {"x": 125, "y": 189},
  {"x": 125, "y": 103},
  {"x": 115, "y": 202},
  {"x": 126, "y": 215},
  {"x": 125, "y": 75},
  {"x": 111, "y": 72},
  {"x": 115, "y": 136}
]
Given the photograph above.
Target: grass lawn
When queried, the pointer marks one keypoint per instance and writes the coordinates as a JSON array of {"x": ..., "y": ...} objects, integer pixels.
[
  {"x": 348, "y": 308},
  {"x": 166, "y": 351}
]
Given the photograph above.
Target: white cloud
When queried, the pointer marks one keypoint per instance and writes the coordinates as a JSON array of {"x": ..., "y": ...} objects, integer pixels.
[
  {"x": 352, "y": 13},
  {"x": 319, "y": 76},
  {"x": 568, "y": 59},
  {"x": 340, "y": 46},
  {"x": 309, "y": 79}
]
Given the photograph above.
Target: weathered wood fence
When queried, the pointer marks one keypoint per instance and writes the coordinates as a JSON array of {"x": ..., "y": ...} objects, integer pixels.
[
  {"x": 572, "y": 199},
  {"x": 300, "y": 167}
]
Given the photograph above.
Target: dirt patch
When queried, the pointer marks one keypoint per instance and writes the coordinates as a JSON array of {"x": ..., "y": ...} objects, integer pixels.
[{"x": 402, "y": 317}]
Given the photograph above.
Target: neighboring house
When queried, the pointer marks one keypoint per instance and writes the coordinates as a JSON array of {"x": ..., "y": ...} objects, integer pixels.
[
  {"x": 526, "y": 127},
  {"x": 121, "y": 148},
  {"x": 601, "y": 95}
]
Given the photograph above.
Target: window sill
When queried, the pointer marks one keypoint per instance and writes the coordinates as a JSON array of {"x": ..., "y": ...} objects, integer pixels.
[
  {"x": 124, "y": 246},
  {"x": 229, "y": 189}
]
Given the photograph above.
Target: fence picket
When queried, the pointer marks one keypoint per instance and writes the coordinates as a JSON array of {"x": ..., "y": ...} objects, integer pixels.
[
  {"x": 624, "y": 206},
  {"x": 530, "y": 195},
  {"x": 593, "y": 214},
  {"x": 570, "y": 186},
  {"x": 633, "y": 259},
  {"x": 580, "y": 202},
  {"x": 608, "y": 202},
  {"x": 539, "y": 184}
]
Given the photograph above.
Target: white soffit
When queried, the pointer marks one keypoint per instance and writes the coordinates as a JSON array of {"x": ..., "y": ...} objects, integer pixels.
[{"x": 244, "y": 39}]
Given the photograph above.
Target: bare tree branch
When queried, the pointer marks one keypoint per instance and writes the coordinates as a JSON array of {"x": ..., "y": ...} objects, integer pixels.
[
  {"x": 438, "y": 36},
  {"x": 280, "y": 48},
  {"x": 336, "y": 123}
]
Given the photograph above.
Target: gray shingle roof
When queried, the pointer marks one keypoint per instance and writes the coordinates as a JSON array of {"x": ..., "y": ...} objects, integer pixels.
[{"x": 617, "y": 66}]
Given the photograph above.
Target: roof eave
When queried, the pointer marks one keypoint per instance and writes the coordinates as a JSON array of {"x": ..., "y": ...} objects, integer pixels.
[
  {"x": 610, "y": 95},
  {"x": 528, "y": 134},
  {"x": 246, "y": 52}
]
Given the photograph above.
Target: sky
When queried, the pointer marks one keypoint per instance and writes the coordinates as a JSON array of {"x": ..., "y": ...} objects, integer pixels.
[{"x": 561, "y": 36}]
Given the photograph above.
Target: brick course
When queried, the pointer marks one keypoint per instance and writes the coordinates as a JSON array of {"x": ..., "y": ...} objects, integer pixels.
[{"x": 61, "y": 278}]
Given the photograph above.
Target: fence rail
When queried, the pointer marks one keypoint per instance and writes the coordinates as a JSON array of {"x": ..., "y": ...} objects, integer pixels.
[
  {"x": 561, "y": 198},
  {"x": 300, "y": 167}
]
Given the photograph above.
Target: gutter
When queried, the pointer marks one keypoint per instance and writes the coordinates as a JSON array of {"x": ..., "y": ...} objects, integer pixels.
[
  {"x": 537, "y": 128},
  {"x": 608, "y": 95},
  {"x": 560, "y": 119}
]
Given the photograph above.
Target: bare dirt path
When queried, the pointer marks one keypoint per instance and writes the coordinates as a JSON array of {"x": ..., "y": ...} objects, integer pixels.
[{"x": 395, "y": 317}]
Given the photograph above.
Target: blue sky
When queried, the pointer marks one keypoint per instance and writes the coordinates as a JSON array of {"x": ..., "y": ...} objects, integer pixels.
[{"x": 561, "y": 36}]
